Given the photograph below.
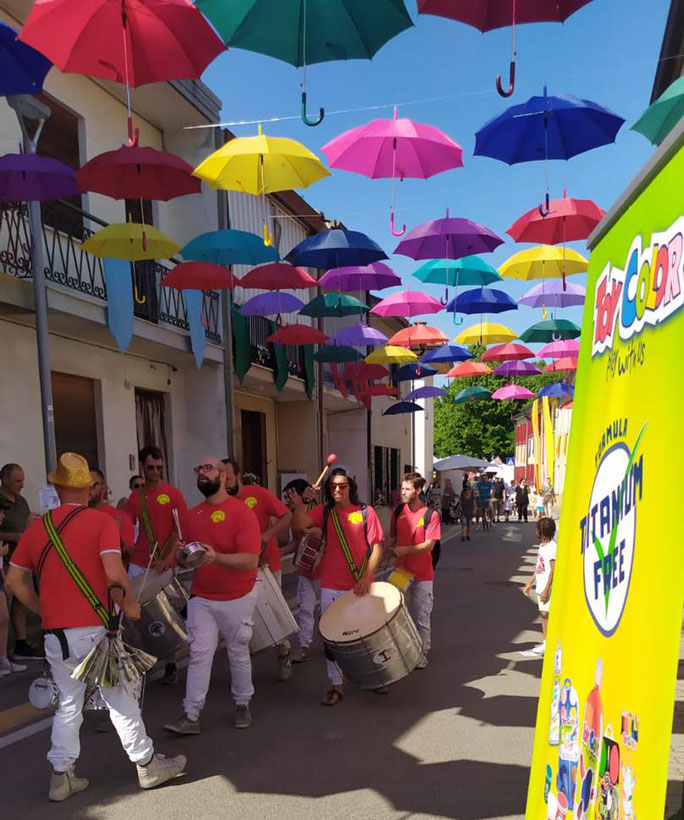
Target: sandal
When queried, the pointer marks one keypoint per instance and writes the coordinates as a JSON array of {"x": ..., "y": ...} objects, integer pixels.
[{"x": 332, "y": 697}]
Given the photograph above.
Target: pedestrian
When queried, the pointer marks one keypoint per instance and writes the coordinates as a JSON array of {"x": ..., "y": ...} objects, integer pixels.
[
  {"x": 7, "y": 665},
  {"x": 448, "y": 496},
  {"x": 542, "y": 577},
  {"x": 522, "y": 499},
  {"x": 91, "y": 567},
  {"x": 539, "y": 503},
  {"x": 549, "y": 497},
  {"x": 223, "y": 595},
  {"x": 509, "y": 501},
  {"x": 498, "y": 492},
  {"x": 414, "y": 532},
  {"x": 467, "y": 510},
  {"x": 483, "y": 500}
]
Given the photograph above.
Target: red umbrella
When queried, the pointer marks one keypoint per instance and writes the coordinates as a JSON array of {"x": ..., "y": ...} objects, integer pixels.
[
  {"x": 469, "y": 369},
  {"x": 507, "y": 353},
  {"x": 381, "y": 390},
  {"x": 131, "y": 172},
  {"x": 278, "y": 276},
  {"x": 365, "y": 371},
  {"x": 297, "y": 335},
  {"x": 567, "y": 364},
  {"x": 568, "y": 220},
  {"x": 199, "y": 276},
  {"x": 419, "y": 335}
]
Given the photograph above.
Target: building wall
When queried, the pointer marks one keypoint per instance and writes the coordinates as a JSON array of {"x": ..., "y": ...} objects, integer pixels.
[
  {"x": 298, "y": 438},
  {"x": 347, "y": 438}
]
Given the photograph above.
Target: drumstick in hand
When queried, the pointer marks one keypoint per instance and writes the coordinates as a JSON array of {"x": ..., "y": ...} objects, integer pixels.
[
  {"x": 332, "y": 458},
  {"x": 176, "y": 518}
]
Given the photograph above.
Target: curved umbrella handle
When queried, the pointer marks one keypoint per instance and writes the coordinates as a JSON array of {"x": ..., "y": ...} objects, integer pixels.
[
  {"x": 305, "y": 118},
  {"x": 136, "y": 293},
  {"x": 268, "y": 237},
  {"x": 392, "y": 229},
  {"x": 545, "y": 209},
  {"x": 511, "y": 81}
]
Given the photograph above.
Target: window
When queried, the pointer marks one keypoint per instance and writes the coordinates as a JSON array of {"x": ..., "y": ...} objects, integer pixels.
[
  {"x": 74, "y": 402},
  {"x": 254, "y": 444},
  {"x": 150, "y": 422}
]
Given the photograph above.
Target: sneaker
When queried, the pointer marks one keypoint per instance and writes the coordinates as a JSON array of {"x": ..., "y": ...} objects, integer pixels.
[
  {"x": 184, "y": 726},
  {"x": 170, "y": 675},
  {"x": 536, "y": 652},
  {"x": 159, "y": 770},
  {"x": 422, "y": 663},
  {"x": 284, "y": 668},
  {"x": 23, "y": 651},
  {"x": 8, "y": 666},
  {"x": 299, "y": 654},
  {"x": 64, "y": 784},
  {"x": 243, "y": 717}
]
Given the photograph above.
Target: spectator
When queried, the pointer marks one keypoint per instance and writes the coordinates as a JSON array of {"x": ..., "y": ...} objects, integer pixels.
[
  {"x": 7, "y": 666},
  {"x": 448, "y": 496},
  {"x": 467, "y": 510},
  {"x": 549, "y": 496},
  {"x": 135, "y": 482},
  {"x": 484, "y": 495},
  {"x": 509, "y": 501},
  {"x": 498, "y": 492},
  {"x": 542, "y": 577},
  {"x": 522, "y": 499}
]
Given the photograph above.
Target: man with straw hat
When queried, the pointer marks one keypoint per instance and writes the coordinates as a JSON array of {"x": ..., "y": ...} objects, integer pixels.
[{"x": 75, "y": 553}]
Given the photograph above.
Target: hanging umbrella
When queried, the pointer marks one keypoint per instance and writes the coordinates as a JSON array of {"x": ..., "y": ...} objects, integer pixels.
[
  {"x": 337, "y": 354},
  {"x": 485, "y": 333},
  {"x": 132, "y": 172},
  {"x": 559, "y": 390},
  {"x": 391, "y": 354},
  {"x": 335, "y": 249},
  {"x": 567, "y": 364},
  {"x": 23, "y": 68},
  {"x": 359, "y": 336},
  {"x": 229, "y": 247},
  {"x": 362, "y": 371},
  {"x": 518, "y": 368},
  {"x": 448, "y": 238},
  {"x": 407, "y": 303},
  {"x": 387, "y": 149},
  {"x": 512, "y": 392},
  {"x": 380, "y": 390},
  {"x": 663, "y": 114},
  {"x": 376, "y": 276},
  {"x": 557, "y": 350},
  {"x": 278, "y": 276},
  {"x": 297, "y": 335},
  {"x": 469, "y": 270},
  {"x": 465, "y": 369},
  {"x": 199, "y": 276},
  {"x": 544, "y": 262},
  {"x": 334, "y": 304},
  {"x": 402, "y": 407},
  {"x": 507, "y": 353},
  {"x": 446, "y": 354},
  {"x": 481, "y": 300},
  {"x": 551, "y": 330},
  {"x": 426, "y": 392},
  {"x": 307, "y": 32},
  {"x": 131, "y": 241},
  {"x": 413, "y": 371},
  {"x": 473, "y": 393},
  {"x": 419, "y": 335},
  {"x": 271, "y": 304},
  {"x": 552, "y": 294},
  {"x": 568, "y": 220},
  {"x": 31, "y": 178}
]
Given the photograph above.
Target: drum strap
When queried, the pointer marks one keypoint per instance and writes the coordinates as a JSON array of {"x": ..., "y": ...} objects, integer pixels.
[
  {"x": 157, "y": 554},
  {"x": 46, "y": 549},
  {"x": 357, "y": 572}
]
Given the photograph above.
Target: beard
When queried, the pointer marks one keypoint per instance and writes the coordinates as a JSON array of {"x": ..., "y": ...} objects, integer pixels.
[
  {"x": 232, "y": 490},
  {"x": 208, "y": 488}
]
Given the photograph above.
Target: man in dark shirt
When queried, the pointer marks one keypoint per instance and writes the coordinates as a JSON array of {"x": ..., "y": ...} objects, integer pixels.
[{"x": 498, "y": 490}]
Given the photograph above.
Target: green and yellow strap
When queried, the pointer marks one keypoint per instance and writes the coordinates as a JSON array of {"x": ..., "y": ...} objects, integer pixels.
[
  {"x": 157, "y": 554},
  {"x": 357, "y": 572}
]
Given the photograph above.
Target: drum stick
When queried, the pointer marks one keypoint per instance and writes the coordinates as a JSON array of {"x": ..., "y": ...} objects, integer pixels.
[
  {"x": 176, "y": 518},
  {"x": 332, "y": 458}
]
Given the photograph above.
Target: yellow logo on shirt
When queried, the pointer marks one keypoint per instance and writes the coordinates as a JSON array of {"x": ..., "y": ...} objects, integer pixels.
[
  {"x": 421, "y": 522},
  {"x": 218, "y": 516},
  {"x": 355, "y": 518},
  {"x": 251, "y": 501},
  {"x": 163, "y": 499}
]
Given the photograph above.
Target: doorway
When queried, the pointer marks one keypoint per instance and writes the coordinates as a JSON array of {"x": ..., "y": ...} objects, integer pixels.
[
  {"x": 74, "y": 400},
  {"x": 254, "y": 444},
  {"x": 150, "y": 423}
]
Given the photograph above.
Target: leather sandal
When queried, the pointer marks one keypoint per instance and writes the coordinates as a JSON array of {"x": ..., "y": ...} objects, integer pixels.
[{"x": 332, "y": 697}]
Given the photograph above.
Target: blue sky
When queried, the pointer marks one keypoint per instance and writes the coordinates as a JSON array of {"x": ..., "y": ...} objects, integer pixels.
[{"x": 607, "y": 52}]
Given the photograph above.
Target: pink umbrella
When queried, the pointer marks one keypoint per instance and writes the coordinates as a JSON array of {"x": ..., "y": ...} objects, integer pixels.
[
  {"x": 387, "y": 149},
  {"x": 507, "y": 353},
  {"x": 407, "y": 303},
  {"x": 511, "y": 392},
  {"x": 557, "y": 350}
]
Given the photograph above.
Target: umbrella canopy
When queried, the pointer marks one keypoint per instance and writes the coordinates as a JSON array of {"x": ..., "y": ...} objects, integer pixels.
[
  {"x": 376, "y": 276},
  {"x": 199, "y": 276},
  {"x": 567, "y": 364},
  {"x": 512, "y": 392},
  {"x": 485, "y": 333},
  {"x": 402, "y": 407},
  {"x": 663, "y": 114},
  {"x": 23, "y": 68},
  {"x": 446, "y": 355},
  {"x": 553, "y": 294},
  {"x": 481, "y": 300},
  {"x": 419, "y": 335},
  {"x": 407, "y": 303},
  {"x": 568, "y": 220},
  {"x": 229, "y": 247},
  {"x": 413, "y": 371},
  {"x": 132, "y": 172},
  {"x": 448, "y": 238},
  {"x": 473, "y": 393},
  {"x": 557, "y": 350},
  {"x": 132, "y": 41},
  {"x": 359, "y": 336},
  {"x": 271, "y": 304},
  {"x": 278, "y": 276},
  {"x": 391, "y": 354},
  {"x": 544, "y": 262},
  {"x": 551, "y": 330},
  {"x": 31, "y": 178},
  {"x": 507, "y": 353},
  {"x": 337, "y": 354},
  {"x": 362, "y": 371},
  {"x": 458, "y": 462},
  {"x": 486, "y": 15},
  {"x": 335, "y": 249},
  {"x": 469, "y": 270},
  {"x": 131, "y": 241},
  {"x": 334, "y": 304},
  {"x": 559, "y": 390},
  {"x": 518, "y": 368},
  {"x": 297, "y": 335},
  {"x": 380, "y": 390},
  {"x": 425, "y": 392},
  {"x": 469, "y": 369}
]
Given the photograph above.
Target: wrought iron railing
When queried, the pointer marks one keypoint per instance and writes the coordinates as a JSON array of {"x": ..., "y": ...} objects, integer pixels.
[
  {"x": 68, "y": 265},
  {"x": 262, "y": 352}
]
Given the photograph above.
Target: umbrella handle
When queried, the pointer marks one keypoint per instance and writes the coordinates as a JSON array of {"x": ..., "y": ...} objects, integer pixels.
[
  {"x": 305, "y": 118},
  {"x": 268, "y": 237},
  {"x": 511, "y": 82},
  {"x": 392, "y": 230},
  {"x": 138, "y": 299},
  {"x": 545, "y": 209}
]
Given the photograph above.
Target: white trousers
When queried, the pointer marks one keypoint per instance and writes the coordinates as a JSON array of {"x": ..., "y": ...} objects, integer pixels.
[
  {"x": 308, "y": 596},
  {"x": 233, "y": 621},
  {"x": 284, "y": 647},
  {"x": 420, "y": 600},
  {"x": 124, "y": 709},
  {"x": 327, "y": 597}
]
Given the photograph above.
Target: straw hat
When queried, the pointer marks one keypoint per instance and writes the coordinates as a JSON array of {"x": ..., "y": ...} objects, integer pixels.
[{"x": 72, "y": 471}]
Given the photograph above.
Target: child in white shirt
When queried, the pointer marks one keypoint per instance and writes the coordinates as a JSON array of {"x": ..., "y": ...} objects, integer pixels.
[{"x": 542, "y": 578}]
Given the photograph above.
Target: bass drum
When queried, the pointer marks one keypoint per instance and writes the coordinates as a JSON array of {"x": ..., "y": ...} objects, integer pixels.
[
  {"x": 373, "y": 638},
  {"x": 160, "y": 630},
  {"x": 273, "y": 619}
]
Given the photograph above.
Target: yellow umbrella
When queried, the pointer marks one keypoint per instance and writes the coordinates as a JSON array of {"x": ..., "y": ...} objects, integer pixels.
[
  {"x": 485, "y": 333},
  {"x": 391, "y": 354},
  {"x": 131, "y": 241},
  {"x": 544, "y": 262}
]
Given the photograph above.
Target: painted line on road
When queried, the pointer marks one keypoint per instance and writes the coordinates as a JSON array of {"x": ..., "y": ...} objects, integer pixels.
[{"x": 27, "y": 731}]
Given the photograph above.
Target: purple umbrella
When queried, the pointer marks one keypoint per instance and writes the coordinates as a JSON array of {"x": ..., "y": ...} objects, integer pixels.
[
  {"x": 517, "y": 369},
  {"x": 556, "y": 294},
  {"x": 271, "y": 304},
  {"x": 31, "y": 177},
  {"x": 426, "y": 392},
  {"x": 376, "y": 276},
  {"x": 450, "y": 238},
  {"x": 359, "y": 336}
]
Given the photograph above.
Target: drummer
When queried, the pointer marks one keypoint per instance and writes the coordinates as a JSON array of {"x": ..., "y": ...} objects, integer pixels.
[
  {"x": 353, "y": 550},
  {"x": 414, "y": 531},
  {"x": 97, "y": 501},
  {"x": 223, "y": 595}
]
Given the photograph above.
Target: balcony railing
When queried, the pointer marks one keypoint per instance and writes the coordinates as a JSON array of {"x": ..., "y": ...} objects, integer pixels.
[
  {"x": 69, "y": 266},
  {"x": 262, "y": 352}
]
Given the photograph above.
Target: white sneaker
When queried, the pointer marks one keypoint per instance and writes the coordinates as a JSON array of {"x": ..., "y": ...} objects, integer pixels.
[
  {"x": 64, "y": 784},
  {"x": 159, "y": 770},
  {"x": 422, "y": 663},
  {"x": 536, "y": 652},
  {"x": 8, "y": 666}
]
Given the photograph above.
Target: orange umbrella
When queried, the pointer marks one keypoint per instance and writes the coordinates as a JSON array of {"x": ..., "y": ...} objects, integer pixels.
[
  {"x": 419, "y": 335},
  {"x": 567, "y": 364},
  {"x": 469, "y": 369}
]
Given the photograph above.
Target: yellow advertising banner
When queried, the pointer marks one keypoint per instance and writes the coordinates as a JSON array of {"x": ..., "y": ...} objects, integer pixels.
[{"x": 607, "y": 692}]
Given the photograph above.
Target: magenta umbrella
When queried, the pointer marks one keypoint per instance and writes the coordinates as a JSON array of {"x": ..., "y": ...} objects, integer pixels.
[
  {"x": 376, "y": 276},
  {"x": 518, "y": 368},
  {"x": 512, "y": 392},
  {"x": 557, "y": 350},
  {"x": 387, "y": 149},
  {"x": 407, "y": 303}
]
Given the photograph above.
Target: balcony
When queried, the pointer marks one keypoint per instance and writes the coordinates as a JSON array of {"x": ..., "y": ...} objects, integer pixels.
[{"x": 261, "y": 352}]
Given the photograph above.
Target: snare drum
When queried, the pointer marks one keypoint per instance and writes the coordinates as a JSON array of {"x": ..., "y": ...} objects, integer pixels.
[
  {"x": 160, "y": 630},
  {"x": 373, "y": 638},
  {"x": 273, "y": 620},
  {"x": 309, "y": 553}
]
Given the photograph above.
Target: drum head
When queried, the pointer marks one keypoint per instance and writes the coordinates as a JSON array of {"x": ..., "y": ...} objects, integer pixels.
[
  {"x": 350, "y": 618},
  {"x": 153, "y": 584}
]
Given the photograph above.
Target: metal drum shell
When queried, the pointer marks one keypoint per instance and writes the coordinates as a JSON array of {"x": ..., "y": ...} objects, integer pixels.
[
  {"x": 160, "y": 630},
  {"x": 273, "y": 619}
]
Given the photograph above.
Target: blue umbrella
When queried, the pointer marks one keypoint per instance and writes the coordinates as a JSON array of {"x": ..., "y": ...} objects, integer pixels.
[
  {"x": 446, "y": 354},
  {"x": 402, "y": 407},
  {"x": 482, "y": 300},
  {"x": 413, "y": 370},
  {"x": 23, "y": 68},
  {"x": 469, "y": 270},
  {"x": 336, "y": 249},
  {"x": 229, "y": 247},
  {"x": 559, "y": 390}
]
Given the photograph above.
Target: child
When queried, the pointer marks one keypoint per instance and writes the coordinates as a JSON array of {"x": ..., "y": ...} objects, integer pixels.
[
  {"x": 539, "y": 504},
  {"x": 542, "y": 578}
]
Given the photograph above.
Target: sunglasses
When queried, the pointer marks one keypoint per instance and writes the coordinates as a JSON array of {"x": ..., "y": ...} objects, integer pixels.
[{"x": 341, "y": 485}]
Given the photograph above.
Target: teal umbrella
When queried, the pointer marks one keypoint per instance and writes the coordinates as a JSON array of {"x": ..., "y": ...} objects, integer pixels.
[
  {"x": 333, "y": 305},
  {"x": 662, "y": 115},
  {"x": 551, "y": 330},
  {"x": 470, "y": 270},
  {"x": 337, "y": 354},
  {"x": 473, "y": 393}
]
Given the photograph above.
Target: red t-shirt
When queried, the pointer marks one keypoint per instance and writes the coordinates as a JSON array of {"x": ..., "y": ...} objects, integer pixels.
[
  {"x": 335, "y": 572},
  {"x": 410, "y": 528},
  {"x": 228, "y": 527},
  {"x": 123, "y": 521},
  {"x": 265, "y": 506},
  {"x": 160, "y": 503},
  {"x": 90, "y": 535}
]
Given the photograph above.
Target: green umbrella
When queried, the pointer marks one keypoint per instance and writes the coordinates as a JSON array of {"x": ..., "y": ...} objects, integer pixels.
[
  {"x": 304, "y": 32},
  {"x": 473, "y": 393},
  {"x": 337, "y": 354},
  {"x": 469, "y": 270},
  {"x": 552, "y": 330},
  {"x": 661, "y": 116},
  {"x": 333, "y": 304}
]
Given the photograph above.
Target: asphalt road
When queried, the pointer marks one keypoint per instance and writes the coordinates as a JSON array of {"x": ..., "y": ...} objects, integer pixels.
[{"x": 453, "y": 741}]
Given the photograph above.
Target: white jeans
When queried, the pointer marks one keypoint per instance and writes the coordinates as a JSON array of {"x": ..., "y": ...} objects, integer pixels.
[
  {"x": 308, "y": 595},
  {"x": 420, "y": 600},
  {"x": 233, "y": 621},
  {"x": 327, "y": 597},
  {"x": 283, "y": 648},
  {"x": 124, "y": 709}
]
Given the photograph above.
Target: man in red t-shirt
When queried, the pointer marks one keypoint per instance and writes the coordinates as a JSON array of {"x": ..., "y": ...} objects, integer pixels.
[
  {"x": 364, "y": 538},
  {"x": 152, "y": 509},
  {"x": 96, "y": 501},
  {"x": 266, "y": 507},
  {"x": 223, "y": 593},
  {"x": 414, "y": 531},
  {"x": 91, "y": 541}
]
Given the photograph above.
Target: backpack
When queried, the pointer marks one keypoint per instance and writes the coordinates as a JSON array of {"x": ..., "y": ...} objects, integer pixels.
[{"x": 437, "y": 549}]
